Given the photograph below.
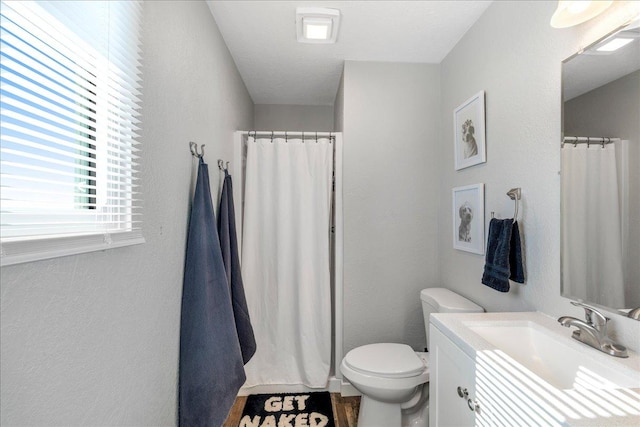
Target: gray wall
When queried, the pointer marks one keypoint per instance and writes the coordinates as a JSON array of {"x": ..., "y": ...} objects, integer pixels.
[
  {"x": 520, "y": 72},
  {"x": 390, "y": 124},
  {"x": 338, "y": 107},
  {"x": 93, "y": 339},
  {"x": 614, "y": 110},
  {"x": 293, "y": 117}
]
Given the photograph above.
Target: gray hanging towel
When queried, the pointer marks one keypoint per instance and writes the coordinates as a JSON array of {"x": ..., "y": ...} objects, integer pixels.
[
  {"x": 229, "y": 246},
  {"x": 211, "y": 370}
]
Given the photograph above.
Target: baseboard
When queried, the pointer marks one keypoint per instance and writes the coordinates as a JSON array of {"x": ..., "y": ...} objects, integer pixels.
[
  {"x": 334, "y": 385},
  {"x": 346, "y": 390}
]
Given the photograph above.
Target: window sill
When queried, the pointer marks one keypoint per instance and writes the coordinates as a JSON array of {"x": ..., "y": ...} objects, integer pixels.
[{"x": 18, "y": 252}]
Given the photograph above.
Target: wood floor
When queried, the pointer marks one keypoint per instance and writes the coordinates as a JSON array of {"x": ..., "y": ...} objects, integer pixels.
[{"x": 345, "y": 411}]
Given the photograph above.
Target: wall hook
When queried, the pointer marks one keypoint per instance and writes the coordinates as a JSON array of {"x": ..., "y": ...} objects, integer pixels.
[{"x": 194, "y": 149}]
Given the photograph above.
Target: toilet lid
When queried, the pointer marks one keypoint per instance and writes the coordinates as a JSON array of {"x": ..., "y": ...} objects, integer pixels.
[{"x": 385, "y": 360}]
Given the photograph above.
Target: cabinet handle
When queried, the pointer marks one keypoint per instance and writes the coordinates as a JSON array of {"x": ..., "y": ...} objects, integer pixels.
[
  {"x": 462, "y": 392},
  {"x": 473, "y": 405}
]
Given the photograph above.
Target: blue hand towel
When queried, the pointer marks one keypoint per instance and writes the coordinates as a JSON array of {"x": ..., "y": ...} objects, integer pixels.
[
  {"x": 515, "y": 255},
  {"x": 229, "y": 246},
  {"x": 504, "y": 255},
  {"x": 210, "y": 369}
]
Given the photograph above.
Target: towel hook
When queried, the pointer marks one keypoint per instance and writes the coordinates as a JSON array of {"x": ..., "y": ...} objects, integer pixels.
[
  {"x": 194, "y": 149},
  {"x": 221, "y": 165},
  {"x": 515, "y": 194}
]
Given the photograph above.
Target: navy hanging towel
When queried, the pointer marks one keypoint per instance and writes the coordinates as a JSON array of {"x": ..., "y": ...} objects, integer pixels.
[
  {"x": 211, "y": 370},
  {"x": 516, "y": 266},
  {"x": 504, "y": 255},
  {"x": 229, "y": 246}
]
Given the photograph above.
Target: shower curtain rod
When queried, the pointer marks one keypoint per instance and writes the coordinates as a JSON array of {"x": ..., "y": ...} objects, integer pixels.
[
  {"x": 288, "y": 133},
  {"x": 589, "y": 139}
]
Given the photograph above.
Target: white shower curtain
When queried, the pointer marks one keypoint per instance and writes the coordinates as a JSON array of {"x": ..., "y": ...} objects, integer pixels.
[
  {"x": 285, "y": 259},
  {"x": 591, "y": 226}
]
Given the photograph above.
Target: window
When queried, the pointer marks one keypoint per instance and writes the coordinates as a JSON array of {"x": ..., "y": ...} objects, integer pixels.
[{"x": 70, "y": 99}]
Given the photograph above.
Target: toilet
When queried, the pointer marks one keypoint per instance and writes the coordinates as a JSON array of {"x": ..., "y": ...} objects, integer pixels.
[{"x": 393, "y": 378}]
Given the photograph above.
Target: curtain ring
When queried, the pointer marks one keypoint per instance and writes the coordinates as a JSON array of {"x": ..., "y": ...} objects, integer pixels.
[
  {"x": 303, "y": 137},
  {"x": 286, "y": 137},
  {"x": 588, "y": 141},
  {"x": 272, "y": 137}
]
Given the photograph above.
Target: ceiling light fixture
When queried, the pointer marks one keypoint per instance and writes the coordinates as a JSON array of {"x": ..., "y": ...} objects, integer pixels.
[
  {"x": 317, "y": 24},
  {"x": 570, "y": 13}
]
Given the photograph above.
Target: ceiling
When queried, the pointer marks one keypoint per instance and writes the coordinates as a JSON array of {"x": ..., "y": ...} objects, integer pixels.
[{"x": 261, "y": 36}]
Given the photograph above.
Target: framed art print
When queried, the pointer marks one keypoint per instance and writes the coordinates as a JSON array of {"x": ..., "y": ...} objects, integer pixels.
[
  {"x": 469, "y": 132},
  {"x": 468, "y": 218}
]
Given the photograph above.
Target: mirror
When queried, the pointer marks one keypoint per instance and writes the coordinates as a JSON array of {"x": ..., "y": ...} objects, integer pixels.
[{"x": 600, "y": 202}]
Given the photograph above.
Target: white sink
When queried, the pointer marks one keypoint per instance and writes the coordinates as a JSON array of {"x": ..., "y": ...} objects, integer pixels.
[
  {"x": 552, "y": 358},
  {"x": 529, "y": 371}
]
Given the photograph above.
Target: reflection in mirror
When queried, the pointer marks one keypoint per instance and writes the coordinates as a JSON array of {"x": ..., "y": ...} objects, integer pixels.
[{"x": 601, "y": 173}]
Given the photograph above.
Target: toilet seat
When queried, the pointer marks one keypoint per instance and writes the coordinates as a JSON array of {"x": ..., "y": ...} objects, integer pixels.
[{"x": 385, "y": 360}]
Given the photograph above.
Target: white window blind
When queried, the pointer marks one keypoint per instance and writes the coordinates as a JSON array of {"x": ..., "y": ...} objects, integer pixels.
[{"x": 70, "y": 86}]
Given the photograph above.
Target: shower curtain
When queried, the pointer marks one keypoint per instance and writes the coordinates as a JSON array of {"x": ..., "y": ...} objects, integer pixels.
[
  {"x": 285, "y": 259},
  {"x": 591, "y": 225}
]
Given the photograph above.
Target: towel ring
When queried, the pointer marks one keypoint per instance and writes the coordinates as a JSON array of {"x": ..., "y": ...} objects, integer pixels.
[{"x": 515, "y": 194}]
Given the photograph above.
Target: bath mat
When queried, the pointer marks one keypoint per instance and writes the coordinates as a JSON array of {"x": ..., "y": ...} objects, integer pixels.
[{"x": 288, "y": 410}]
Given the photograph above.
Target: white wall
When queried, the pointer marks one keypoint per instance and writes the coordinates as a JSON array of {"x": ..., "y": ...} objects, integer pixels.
[
  {"x": 514, "y": 55},
  {"x": 390, "y": 124},
  {"x": 585, "y": 116},
  {"x": 93, "y": 339},
  {"x": 293, "y": 117}
]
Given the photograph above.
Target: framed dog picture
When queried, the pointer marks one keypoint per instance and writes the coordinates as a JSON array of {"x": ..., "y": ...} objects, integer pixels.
[
  {"x": 468, "y": 218},
  {"x": 468, "y": 132}
]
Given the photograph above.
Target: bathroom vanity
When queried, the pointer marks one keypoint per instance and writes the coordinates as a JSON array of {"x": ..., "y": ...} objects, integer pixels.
[{"x": 525, "y": 369}]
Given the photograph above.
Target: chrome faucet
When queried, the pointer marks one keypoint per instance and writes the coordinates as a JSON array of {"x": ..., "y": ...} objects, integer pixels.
[
  {"x": 593, "y": 331},
  {"x": 634, "y": 314}
]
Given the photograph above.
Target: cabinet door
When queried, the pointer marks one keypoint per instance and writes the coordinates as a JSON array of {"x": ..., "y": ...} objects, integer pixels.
[{"x": 452, "y": 372}]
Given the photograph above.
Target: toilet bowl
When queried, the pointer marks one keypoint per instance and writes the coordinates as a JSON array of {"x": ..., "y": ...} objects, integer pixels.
[{"x": 392, "y": 378}]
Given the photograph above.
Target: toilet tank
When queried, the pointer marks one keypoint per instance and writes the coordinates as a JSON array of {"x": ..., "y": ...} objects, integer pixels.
[{"x": 441, "y": 300}]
